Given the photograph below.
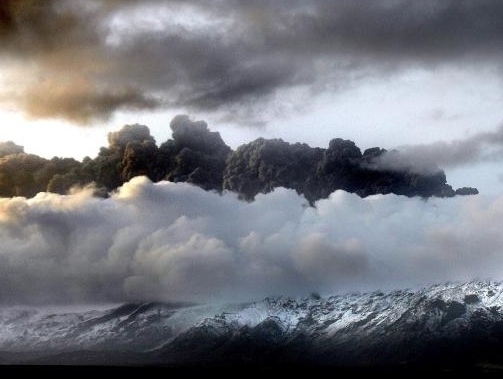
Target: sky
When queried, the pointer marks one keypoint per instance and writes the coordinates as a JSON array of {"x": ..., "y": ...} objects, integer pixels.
[
  {"x": 390, "y": 73},
  {"x": 421, "y": 76}
]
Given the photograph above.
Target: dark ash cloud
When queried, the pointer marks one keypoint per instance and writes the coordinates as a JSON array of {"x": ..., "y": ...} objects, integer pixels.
[
  {"x": 232, "y": 55},
  {"x": 199, "y": 156}
]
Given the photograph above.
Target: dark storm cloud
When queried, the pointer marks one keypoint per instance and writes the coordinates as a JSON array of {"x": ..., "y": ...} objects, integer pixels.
[
  {"x": 199, "y": 156},
  {"x": 228, "y": 55}
]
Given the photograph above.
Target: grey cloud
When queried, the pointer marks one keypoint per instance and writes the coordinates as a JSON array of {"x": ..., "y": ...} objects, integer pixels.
[
  {"x": 247, "y": 53},
  {"x": 427, "y": 158},
  {"x": 412, "y": 30},
  {"x": 170, "y": 241},
  {"x": 82, "y": 104}
]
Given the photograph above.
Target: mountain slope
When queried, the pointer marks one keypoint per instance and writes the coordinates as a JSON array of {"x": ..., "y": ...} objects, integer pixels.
[{"x": 448, "y": 324}]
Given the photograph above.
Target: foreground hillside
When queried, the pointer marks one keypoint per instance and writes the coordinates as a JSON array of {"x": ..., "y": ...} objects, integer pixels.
[{"x": 443, "y": 325}]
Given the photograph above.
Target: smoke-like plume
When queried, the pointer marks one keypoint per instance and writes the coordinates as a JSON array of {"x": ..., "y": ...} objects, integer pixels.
[
  {"x": 172, "y": 241},
  {"x": 427, "y": 158},
  {"x": 199, "y": 156}
]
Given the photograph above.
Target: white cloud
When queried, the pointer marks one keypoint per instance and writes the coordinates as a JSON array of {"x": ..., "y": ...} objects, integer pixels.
[{"x": 171, "y": 241}]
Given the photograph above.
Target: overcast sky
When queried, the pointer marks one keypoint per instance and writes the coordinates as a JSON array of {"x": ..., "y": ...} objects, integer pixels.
[
  {"x": 382, "y": 73},
  {"x": 386, "y": 73},
  {"x": 422, "y": 76}
]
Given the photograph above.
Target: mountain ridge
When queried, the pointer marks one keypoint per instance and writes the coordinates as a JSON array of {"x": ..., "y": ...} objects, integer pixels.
[{"x": 433, "y": 325}]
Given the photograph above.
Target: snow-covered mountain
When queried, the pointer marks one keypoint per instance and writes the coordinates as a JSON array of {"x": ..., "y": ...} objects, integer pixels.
[{"x": 447, "y": 324}]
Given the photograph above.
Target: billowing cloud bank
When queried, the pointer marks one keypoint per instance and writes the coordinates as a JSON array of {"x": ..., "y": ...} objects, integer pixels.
[{"x": 171, "y": 241}]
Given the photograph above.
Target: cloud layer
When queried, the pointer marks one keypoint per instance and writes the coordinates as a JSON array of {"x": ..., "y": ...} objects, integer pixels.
[
  {"x": 171, "y": 241},
  {"x": 85, "y": 61}
]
